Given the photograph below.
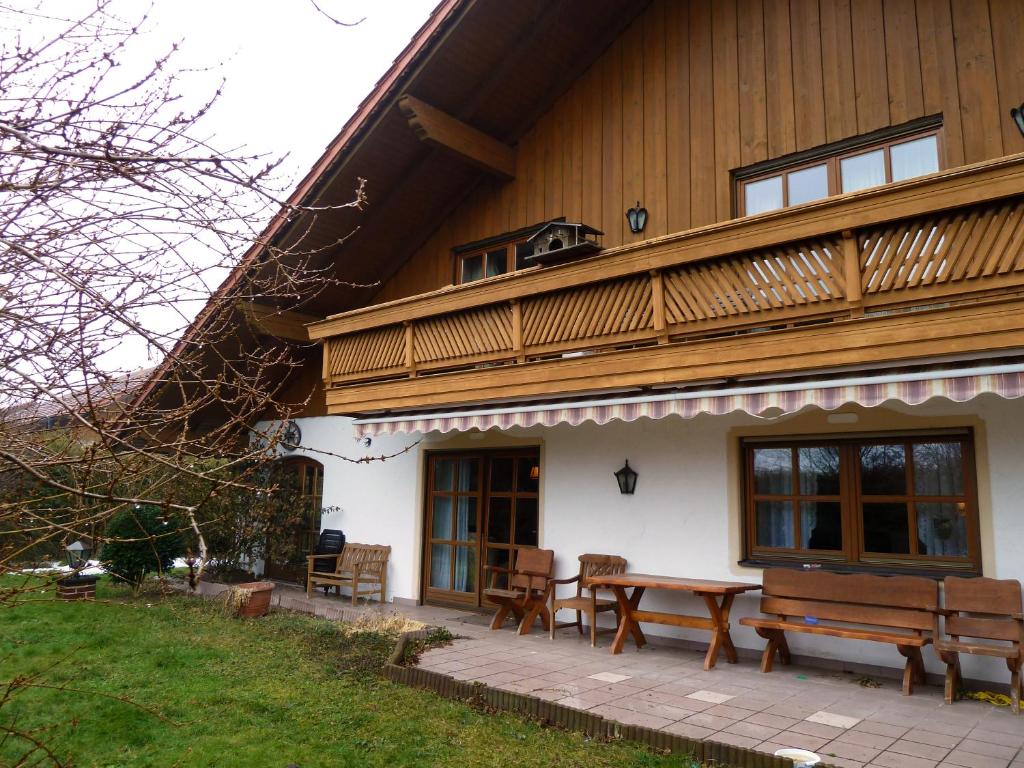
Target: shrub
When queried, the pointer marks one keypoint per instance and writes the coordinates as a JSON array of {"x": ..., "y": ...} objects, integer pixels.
[{"x": 140, "y": 541}]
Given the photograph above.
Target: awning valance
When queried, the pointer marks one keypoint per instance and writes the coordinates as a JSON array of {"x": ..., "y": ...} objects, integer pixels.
[{"x": 767, "y": 399}]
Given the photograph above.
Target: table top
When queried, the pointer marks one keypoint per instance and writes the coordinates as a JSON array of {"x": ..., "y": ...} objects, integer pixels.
[{"x": 679, "y": 583}]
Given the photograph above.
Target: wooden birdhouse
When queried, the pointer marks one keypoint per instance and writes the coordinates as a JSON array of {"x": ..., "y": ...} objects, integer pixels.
[{"x": 560, "y": 241}]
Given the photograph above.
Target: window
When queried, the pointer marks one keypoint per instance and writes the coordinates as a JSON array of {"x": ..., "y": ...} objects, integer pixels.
[
  {"x": 841, "y": 168},
  {"x": 891, "y": 502}
]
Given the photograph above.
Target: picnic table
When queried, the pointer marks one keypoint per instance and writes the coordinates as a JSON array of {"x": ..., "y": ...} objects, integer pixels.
[{"x": 718, "y": 597}]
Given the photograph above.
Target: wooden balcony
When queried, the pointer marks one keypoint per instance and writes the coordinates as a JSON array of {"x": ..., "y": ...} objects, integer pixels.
[{"x": 927, "y": 267}]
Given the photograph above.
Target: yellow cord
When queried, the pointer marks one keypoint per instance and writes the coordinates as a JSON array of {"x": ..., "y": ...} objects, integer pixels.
[{"x": 996, "y": 699}]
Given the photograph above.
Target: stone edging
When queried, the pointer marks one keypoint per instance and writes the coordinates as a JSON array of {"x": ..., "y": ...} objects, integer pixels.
[{"x": 553, "y": 713}]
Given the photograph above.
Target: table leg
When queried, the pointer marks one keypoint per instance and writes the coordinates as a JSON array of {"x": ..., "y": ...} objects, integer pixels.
[
  {"x": 720, "y": 637},
  {"x": 627, "y": 624}
]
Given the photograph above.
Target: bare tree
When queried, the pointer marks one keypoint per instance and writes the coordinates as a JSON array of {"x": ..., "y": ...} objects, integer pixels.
[{"x": 119, "y": 225}]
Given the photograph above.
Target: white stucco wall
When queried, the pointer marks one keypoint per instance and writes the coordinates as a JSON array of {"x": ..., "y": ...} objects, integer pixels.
[{"x": 684, "y": 518}]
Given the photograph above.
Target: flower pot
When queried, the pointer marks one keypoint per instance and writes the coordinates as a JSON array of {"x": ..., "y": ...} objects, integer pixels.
[{"x": 259, "y": 598}]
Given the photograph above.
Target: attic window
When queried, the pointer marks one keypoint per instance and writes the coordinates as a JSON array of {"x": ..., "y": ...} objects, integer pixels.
[{"x": 494, "y": 256}]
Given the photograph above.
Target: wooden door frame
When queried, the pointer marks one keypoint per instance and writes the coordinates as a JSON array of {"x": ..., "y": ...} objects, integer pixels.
[{"x": 484, "y": 454}]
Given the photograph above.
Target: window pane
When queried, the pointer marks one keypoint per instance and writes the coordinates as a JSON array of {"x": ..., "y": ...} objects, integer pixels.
[
  {"x": 499, "y": 558},
  {"x": 472, "y": 268},
  {"x": 938, "y": 469},
  {"x": 522, "y": 251},
  {"x": 441, "y": 526},
  {"x": 942, "y": 529},
  {"x": 761, "y": 196},
  {"x": 819, "y": 470},
  {"x": 863, "y": 171},
  {"x": 883, "y": 470},
  {"x": 497, "y": 262},
  {"x": 465, "y": 518},
  {"x": 526, "y": 522},
  {"x": 444, "y": 475},
  {"x": 527, "y": 475},
  {"x": 821, "y": 525},
  {"x": 808, "y": 184},
  {"x": 499, "y": 523},
  {"x": 465, "y": 569},
  {"x": 773, "y": 470},
  {"x": 441, "y": 566},
  {"x": 885, "y": 528},
  {"x": 501, "y": 475},
  {"x": 469, "y": 475},
  {"x": 774, "y": 524},
  {"x": 914, "y": 158}
]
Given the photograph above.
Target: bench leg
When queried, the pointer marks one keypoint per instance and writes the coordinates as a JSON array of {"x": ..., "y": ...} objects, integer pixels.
[
  {"x": 952, "y": 662},
  {"x": 309, "y": 588},
  {"x": 1015, "y": 684},
  {"x": 913, "y": 671},
  {"x": 776, "y": 644},
  {"x": 500, "y": 616}
]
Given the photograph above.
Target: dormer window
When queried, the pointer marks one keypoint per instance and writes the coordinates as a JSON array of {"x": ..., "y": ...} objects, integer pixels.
[
  {"x": 496, "y": 255},
  {"x": 843, "y": 167}
]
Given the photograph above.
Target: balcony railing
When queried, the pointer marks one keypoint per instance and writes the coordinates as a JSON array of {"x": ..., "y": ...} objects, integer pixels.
[{"x": 926, "y": 243}]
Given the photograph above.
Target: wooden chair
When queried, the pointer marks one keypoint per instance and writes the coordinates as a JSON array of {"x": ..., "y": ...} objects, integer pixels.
[
  {"x": 365, "y": 564},
  {"x": 528, "y": 583},
  {"x": 899, "y": 610},
  {"x": 983, "y": 609},
  {"x": 590, "y": 565}
]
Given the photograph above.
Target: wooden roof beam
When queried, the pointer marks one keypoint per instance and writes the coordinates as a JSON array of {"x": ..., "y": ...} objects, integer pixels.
[
  {"x": 451, "y": 135},
  {"x": 271, "y": 321}
]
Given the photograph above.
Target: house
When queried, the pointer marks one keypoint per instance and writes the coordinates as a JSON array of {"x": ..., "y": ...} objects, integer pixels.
[{"x": 811, "y": 351}]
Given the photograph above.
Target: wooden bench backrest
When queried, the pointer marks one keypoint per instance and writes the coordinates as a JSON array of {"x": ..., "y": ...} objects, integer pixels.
[
  {"x": 372, "y": 557},
  {"x": 991, "y": 598},
  {"x": 535, "y": 560},
  {"x": 599, "y": 565},
  {"x": 904, "y": 602}
]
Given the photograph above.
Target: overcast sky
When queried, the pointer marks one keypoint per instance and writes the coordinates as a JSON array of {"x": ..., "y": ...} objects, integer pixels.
[{"x": 292, "y": 79}]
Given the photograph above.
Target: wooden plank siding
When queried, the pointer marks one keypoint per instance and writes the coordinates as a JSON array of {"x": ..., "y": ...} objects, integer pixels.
[{"x": 693, "y": 90}]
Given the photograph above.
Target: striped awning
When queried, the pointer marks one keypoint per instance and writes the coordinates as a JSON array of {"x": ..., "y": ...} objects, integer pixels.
[{"x": 763, "y": 400}]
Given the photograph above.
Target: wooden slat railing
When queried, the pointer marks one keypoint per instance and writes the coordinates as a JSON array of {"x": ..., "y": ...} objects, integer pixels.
[{"x": 866, "y": 257}]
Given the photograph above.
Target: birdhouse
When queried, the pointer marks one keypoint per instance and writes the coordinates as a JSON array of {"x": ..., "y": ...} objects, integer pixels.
[{"x": 560, "y": 241}]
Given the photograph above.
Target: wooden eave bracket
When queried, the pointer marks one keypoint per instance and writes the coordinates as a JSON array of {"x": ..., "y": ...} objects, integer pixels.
[
  {"x": 281, "y": 323},
  {"x": 451, "y": 135}
]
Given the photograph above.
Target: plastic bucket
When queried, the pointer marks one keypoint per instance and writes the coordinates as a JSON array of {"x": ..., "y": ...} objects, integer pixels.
[{"x": 801, "y": 757}]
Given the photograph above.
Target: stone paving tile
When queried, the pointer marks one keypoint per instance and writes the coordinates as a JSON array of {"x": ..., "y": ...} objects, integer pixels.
[
  {"x": 773, "y": 721},
  {"x": 673, "y": 700},
  {"x": 847, "y": 751},
  {"x": 895, "y": 760},
  {"x": 827, "y": 732},
  {"x": 800, "y": 740},
  {"x": 964, "y": 759},
  {"x": 995, "y": 737},
  {"x": 881, "y": 729},
  {"x": 916, "y": 749},
  {"x": 924, "y": 736},
  {"x": 831, "y": 718},
  {"x": 727, "y": 710},
  {"x": 724, "y": 737},
  {"x": 710, "y": 721},
  {"x": 752, "y": 730},
  {"x": 654, "y": 708},
  {"x": 866, "y": 739},
  {"x": 988, "y": 749},
  {"x": 689, "y": 730},
  {"x": 629, "y": 717}
]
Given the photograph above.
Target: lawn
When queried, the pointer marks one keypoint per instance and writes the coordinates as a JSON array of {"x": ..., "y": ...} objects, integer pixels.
[{"x": 218, "y": 691}]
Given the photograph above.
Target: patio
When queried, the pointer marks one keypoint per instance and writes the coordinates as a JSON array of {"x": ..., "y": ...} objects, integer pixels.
[{"x": 840, "y": 716}]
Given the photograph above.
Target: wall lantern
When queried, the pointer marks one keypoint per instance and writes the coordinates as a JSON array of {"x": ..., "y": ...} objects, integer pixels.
[
  {"x": 637, "y": 218},
  {"x": 1017, "y": 113},
  {"x": 626, "y": 478},
  {"x": 535, "y": 472},
  {"x": 78, "y": 554}
]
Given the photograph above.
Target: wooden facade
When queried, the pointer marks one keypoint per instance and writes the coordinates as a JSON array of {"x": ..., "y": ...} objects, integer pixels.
[
  {"x": 687, "y": 95},
  {"x": 692, "y": 91}
]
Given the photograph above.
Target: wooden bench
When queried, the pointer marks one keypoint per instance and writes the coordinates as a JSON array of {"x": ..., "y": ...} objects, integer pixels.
[
  {"x": 982, "y": 609},
  {"x": 358, "y": 564},
  {"x": 899, "y": 610}
]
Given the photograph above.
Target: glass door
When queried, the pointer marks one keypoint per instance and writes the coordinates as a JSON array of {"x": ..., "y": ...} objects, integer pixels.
[
  {"x": 451, "y": 561},
  {"x": 512, "y": 506}
]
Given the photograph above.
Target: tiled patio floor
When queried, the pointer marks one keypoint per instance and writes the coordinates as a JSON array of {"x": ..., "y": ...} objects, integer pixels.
[{"x": 664, "y": 686}]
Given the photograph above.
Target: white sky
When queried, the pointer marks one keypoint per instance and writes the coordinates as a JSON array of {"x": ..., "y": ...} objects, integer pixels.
[{"x": 292, "y": 79}]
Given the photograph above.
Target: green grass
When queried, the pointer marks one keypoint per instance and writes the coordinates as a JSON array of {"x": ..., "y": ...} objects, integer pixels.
[{"x": 225, "y": 692}]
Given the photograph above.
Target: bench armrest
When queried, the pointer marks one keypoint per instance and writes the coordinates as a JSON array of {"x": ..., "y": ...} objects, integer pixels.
[{"x": 572, "y": 580}]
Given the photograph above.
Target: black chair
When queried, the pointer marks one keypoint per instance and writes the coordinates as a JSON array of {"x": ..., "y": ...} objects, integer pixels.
[{"x": 330, "y": 543}]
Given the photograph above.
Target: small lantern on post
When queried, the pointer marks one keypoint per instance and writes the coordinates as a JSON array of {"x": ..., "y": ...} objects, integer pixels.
[
  {"x": 626, "y": 478},
  {"x": 637, "y": 218},
  {"x": 77, "y": 553},
  {"x": 77, "y": 585}
]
